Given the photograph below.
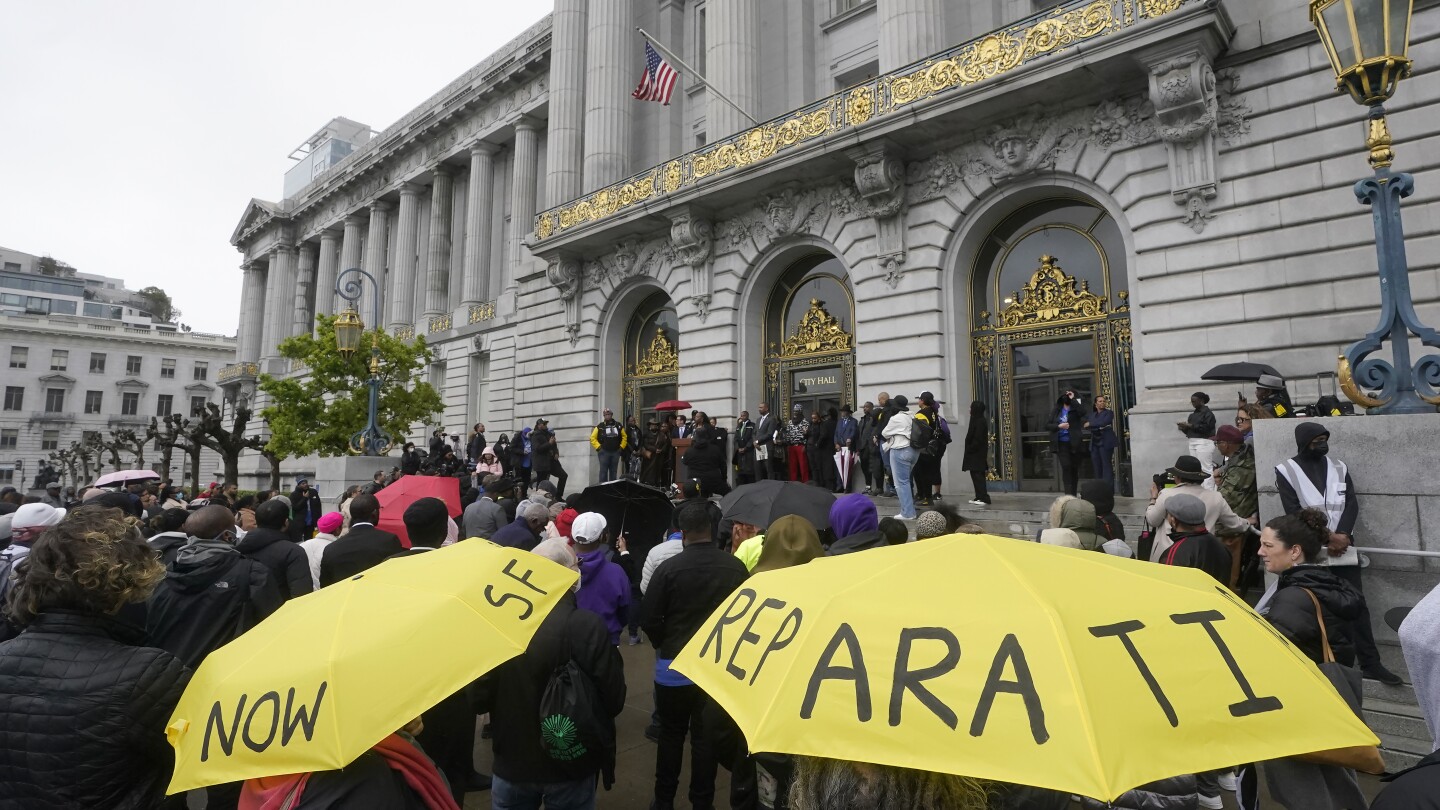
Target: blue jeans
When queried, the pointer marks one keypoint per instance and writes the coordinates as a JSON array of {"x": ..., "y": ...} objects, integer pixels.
[
  {"x": 576, "y": 795},
  {"x": 902, "y": 463},
  {"x": 608, "y": 461},
  {"x": 1100, "y": 463},
  {"x": 888, "y": 468}
]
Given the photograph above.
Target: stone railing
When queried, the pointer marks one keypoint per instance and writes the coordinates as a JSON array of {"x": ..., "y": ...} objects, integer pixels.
[
  {"x": 483, "y": 311},
  {"x": 237, "y": 371},
  {"x": 981, "y": 59}
]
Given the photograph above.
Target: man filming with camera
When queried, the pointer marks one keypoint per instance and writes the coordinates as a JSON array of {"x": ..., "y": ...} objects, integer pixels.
[{"x": 1187, "y": 478}]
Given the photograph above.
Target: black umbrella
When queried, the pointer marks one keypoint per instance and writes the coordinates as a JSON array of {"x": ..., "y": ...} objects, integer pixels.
[
  {"x": 641, "y": 512},
  {"x": 765, "y": 502},
  {"x": 1246, "y": 372}
]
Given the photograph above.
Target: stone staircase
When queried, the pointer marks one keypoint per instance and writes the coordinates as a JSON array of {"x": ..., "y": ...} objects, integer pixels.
[{"x": 1392, "y": 712}]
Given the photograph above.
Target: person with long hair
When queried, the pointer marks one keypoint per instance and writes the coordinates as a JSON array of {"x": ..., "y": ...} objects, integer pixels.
[
  {"x": 85, "y": 705},
  {"x": 1309, "y": 605},
  {"x": 976, "y": 458}
]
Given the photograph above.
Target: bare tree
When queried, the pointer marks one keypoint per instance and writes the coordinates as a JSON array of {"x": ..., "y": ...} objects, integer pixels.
[
  {"x": 228, "y": 443},
  {"x": 166, "y": 436},
  {"x": 131, "y": 442}
]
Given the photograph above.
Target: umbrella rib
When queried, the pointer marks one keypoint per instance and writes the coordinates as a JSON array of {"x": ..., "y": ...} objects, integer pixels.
[{"x": 1064, "y": 642}]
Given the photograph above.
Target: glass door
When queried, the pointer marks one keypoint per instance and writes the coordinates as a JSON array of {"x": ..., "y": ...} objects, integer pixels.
[{"x": 1043, "y": 372}]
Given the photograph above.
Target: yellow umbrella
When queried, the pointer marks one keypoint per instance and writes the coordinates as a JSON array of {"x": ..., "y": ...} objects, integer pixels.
[
  {"x": 1013, "y": 661},
  {"x": 330, "y": 674}
]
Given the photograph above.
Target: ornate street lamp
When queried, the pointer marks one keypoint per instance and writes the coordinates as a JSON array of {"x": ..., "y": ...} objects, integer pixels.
[
  {"x": 372, "y": 441},
  {"x": 1368, "y": 42}
]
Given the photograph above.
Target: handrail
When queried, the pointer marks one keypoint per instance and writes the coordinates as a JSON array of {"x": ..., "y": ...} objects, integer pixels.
[
  {"x": 1398, "y": 552},
  {"x": 981, "y": 59}
]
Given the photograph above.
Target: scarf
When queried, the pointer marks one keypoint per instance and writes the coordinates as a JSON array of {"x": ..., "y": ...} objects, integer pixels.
[{"x": 284, "y": 792}]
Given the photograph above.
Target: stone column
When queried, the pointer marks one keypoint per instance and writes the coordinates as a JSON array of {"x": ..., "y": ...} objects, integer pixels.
[
  {"x": 329, "y": 269},
  {"x": 910, "y": 30},
  {"x": 522, "y": 194},
  {"x": 401, "y": 289},
  {"x": 268, "y": 334},
  {"x": 610, "y": 54},
  {"x": 459, "y": 193},
  {"x": 565, "y": 129},
  {"x": 437, "y": 286},
  {"x": 304, "y": 291},
  {"x": 252, "y": 313},
  {"x": 283, "y": 301},
  {"x": 375, "y": 244},
  {"x": 479, "y": 213},
  {"x": 732, "y": 56}
]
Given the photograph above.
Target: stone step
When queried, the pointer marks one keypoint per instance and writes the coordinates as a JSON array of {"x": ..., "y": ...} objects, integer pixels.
[
  {"x": 1374, "y": 690},
  {"x": 1399, "y": 758},
  {"x": 1403, "y": 720}
]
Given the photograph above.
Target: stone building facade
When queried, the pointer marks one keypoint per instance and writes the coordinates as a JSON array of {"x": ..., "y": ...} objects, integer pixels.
[{"x": 985, "y": 200}]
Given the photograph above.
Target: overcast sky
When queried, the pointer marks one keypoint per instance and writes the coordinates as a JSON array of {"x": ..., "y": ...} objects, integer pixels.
[{"x": 134, "y": 133}]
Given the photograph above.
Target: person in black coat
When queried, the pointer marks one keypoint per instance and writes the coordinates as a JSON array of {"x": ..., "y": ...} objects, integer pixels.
[
  {"x": 84, "y": 706},
  {"x": 1193, "y": 546},
  {"x": 976, "y": 452},
  {"x": 305, "y": 509},
  {"x": 1101, "y": 494},
  {"x": 1067, "y": 439},
  {"x": 511, "y": 693},
  {"x": 269, "y": 542},
  {"x": 744, "y": 456},
  {"x": 1416, "y": 788},
  {"x": 545, "y": 457},
  {"x": 362, "y": 548},
  {"x": 169, "y": 533},
  {"x": 705, "y": 462},
  {"x": 476, "y": 443}
]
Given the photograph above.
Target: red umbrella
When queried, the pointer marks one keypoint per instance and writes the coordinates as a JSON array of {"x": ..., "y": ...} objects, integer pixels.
[
  {"x": 673, "y": 405},
  {"x": 397, "y": 497}
]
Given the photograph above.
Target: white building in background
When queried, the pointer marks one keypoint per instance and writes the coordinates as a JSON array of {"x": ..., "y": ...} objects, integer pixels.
[
  {"x": 984, "y": 199},
  {"x": 78, "y": 355}
]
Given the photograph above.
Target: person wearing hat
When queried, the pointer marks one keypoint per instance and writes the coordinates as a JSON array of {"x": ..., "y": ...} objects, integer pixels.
[
  {"x": 1067, "y": 439},
  {"x": 305, "y": 508},
  {"x": 26, "y": 525},
  {"x": 604, "y": 585},
  {"x": 1189, "y": 478},
  {"x": 1199, "y": 430},
  {"x": 847, "y": 437},
  {"x": 1271, "y": 395},
  {"x": 794, "y": 437},
  {"x": 1191, "y": 544},
  {"x": 485, "y": 516},
  {"x": 1315, "y": 479},
  {"x": 327, "y": 531},
  {"x": 655, "y": 454},
  {"x": 1235, "y": 481},
  {"x": 896, "y": 435},
  {"x": 608, "y": 439},
  {"x": 545, "y": 456},
  {"x": 52, "y": 495}
]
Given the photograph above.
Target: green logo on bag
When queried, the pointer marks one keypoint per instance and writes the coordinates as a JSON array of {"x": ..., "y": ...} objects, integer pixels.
[{"x": 561, "y": 738}]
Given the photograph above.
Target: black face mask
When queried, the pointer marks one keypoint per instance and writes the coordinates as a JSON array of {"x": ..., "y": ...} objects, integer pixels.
[{"x": 1320, "y": 448}]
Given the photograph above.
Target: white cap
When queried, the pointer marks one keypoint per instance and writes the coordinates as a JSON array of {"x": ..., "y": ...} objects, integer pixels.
[
  {"x": 32, "y": 515},
  {"x": 588, "y": 528}
]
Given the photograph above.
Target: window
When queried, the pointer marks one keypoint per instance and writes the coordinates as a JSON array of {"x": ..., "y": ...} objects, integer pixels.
[
  {"x": 97, "y": 362},
  {"x": 9, "y": 439},
  {"x": 132, "y": 364},
  {"x": 129, "y": 403},
  {"x": 50, "y": 440},
  {"x": 197, "y": 406},
  {"x": 164, "y": 404},
  {"x": 167, "y": 369},
  {"x": 7, "y": 475},
  {"x": 90, "y": 437},
  {"x": 94, "y": 401},
  {"x": 842, "y": 6},
  {"x": 14, "y": 397},
  {"x": 19, "y": 357},
  {"x": 202, "y": 370},
  {"x": 54, "y": 400},
  {"x": 59, "y": 360}
]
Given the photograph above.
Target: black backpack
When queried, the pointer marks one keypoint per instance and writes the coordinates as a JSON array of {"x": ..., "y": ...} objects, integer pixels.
[
  {"x": 922, "y": 433},
  {"x": 573, "y": 724}
]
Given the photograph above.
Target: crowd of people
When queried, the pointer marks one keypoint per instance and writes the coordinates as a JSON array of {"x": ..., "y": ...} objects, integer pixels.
[{"x": 112, "y": 598}]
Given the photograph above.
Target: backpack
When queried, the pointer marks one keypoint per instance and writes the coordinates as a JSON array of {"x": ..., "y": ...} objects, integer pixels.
[
  {"x": 572, "y": 722},
  {"x": 922, "y": 433}
]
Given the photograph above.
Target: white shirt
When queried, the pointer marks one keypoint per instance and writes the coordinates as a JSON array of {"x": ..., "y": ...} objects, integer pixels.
[{"x": 897, "y": 431}]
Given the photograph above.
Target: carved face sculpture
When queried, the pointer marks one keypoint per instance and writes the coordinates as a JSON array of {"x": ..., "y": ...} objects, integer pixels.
[
  {"x": 780, "y": 212},
  {"x": 1013, "y": 150}
]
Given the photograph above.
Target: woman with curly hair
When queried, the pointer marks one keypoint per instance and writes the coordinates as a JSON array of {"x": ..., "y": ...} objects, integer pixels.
[{"x": 83, "y": 705}]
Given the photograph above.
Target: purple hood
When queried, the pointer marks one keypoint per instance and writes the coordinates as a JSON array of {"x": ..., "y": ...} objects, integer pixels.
[
  {"x": 604, "y": 591},
  {"x": 853, "y": 514}
]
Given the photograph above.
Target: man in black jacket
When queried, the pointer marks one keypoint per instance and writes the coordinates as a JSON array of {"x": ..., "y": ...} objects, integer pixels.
[
  {"x": 211, "y": 592},
  {"x": 682, "y": 594},
  {"x": 1194, "y": 546},
  {"x": 362, "y": 548},
  {"x": 270, "y": 543},
  {"x": 306, "y": 509},
  {"x": 744, "y": 456},
  {"x": 545, "y": 457},
  {"x": 764, "y": 443},
  {"x": 524, "y": 774},
  {"x": 476, "y": 445},
  {"x": 608, "y": 439}
]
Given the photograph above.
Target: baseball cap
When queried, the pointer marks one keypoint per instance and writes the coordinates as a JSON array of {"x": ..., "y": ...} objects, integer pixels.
[
  {"x": 31, "y": 515},
  {"x": 588, "y": 528}
]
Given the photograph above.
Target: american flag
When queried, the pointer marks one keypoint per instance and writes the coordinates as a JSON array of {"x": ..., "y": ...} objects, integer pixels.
[{"x": 659, "y": 79}]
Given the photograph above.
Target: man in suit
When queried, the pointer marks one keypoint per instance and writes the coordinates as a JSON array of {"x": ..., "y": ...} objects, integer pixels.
[
  {"x": 765, "y": 438},
  {"x": 744, "y": 456},
  {"x": 362, "y": 548}
]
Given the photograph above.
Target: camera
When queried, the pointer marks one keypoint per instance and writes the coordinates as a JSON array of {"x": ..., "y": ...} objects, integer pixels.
[{"x": 1164, "y": 480}]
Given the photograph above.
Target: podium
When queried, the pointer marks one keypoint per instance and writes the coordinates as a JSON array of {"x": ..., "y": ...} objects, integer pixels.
[{"x": 680, "y": 446}]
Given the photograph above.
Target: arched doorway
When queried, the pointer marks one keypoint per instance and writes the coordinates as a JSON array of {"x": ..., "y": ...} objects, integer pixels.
[
  {"x": 809, "y": 337},
  {"x": 652, "y": 359},
  {"x": 1049, "y": 316}
]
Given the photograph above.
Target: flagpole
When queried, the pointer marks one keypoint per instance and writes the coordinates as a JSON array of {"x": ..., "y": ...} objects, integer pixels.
[{"x": 668, "y": 54}]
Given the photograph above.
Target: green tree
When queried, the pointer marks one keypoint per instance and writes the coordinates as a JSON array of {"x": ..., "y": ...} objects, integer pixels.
[
  {"x": 157, "y": 302},
  {"x": 319, "y": 412},
  {"x": 51, "y": 266}
]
